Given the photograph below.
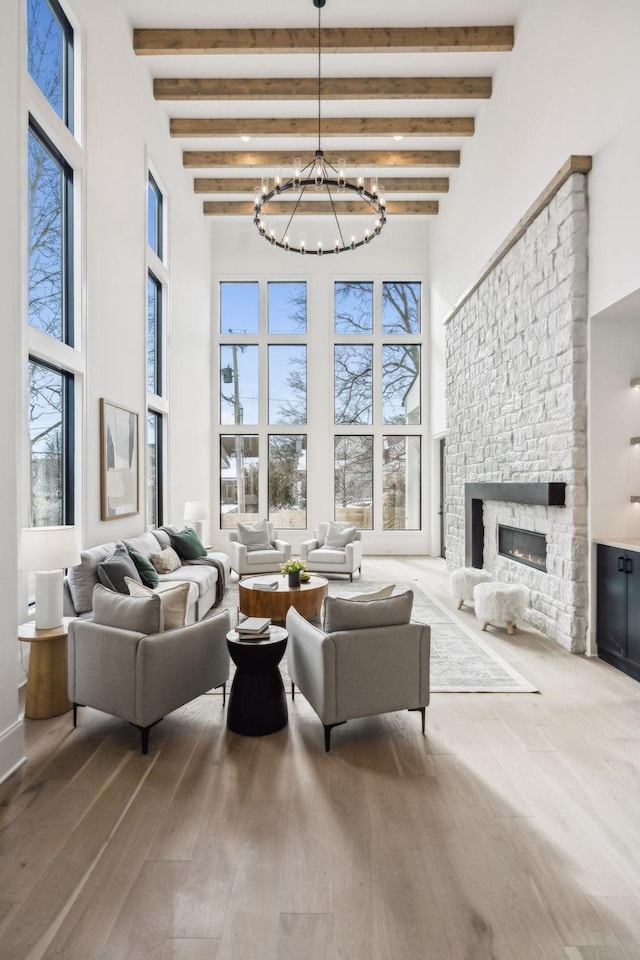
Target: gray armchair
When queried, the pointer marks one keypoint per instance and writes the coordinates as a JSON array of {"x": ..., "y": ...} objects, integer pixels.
[
  {"x": 253, "y": 558},
  {"x": 137, "y": 674},
  {"x": 368, "y": 659},
  {"x": 323, "y": 557}
]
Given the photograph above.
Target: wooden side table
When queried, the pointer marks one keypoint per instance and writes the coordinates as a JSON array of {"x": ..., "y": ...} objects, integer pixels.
[{"x": 47, "y": 694}]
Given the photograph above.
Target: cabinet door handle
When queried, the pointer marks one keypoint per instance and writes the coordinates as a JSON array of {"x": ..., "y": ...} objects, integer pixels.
[
  {"x": 620, "y": 564},
  {"x": 628, "y": 565}
]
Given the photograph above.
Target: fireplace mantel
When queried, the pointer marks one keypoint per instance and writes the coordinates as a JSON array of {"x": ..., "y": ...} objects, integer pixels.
[{"x": 547, "y": 494}]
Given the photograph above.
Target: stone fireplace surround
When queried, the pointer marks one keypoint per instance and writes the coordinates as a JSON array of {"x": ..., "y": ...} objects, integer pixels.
[{"x": 516, "y": 372}]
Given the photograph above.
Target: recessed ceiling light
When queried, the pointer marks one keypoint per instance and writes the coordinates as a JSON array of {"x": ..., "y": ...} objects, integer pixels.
[
  {"x": 245, "y": 138},
  {"x": 397, "y": 136}
]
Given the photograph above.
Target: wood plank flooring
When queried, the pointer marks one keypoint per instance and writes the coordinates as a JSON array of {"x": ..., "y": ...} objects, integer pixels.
[{"x": 511, "y": 831}]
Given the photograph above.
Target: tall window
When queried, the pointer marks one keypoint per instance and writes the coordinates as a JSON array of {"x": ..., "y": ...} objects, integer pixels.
[
  {"x": 50, "y": 257},
  {"x": 50, "y": 55},
  {"x": 50, "y": 405},
  {"x": 155, "y": 214},
  {"x": 154, "y": 470},
  {"x": 263, "y": 383},
  {"x": 154, "y": 335}
]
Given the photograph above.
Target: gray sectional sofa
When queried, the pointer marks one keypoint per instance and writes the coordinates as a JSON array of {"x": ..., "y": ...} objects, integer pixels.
[{"x": 202, "y": 577}]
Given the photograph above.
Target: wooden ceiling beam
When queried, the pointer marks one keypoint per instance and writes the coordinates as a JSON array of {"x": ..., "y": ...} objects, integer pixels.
[
  {"x": 330, "y": 126},
  {"x": 390, "y": 184},
  {"x": 226, "y": 208},
  {"x": 353, "y": 158},
  {"x": 162, "y": 42},
  {"x": 333, "y": 88}
]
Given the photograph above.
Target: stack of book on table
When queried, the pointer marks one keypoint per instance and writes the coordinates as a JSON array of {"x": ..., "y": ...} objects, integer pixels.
[
  {"x": 254, "y": 628},
  {"x": 265, "y": 584}
]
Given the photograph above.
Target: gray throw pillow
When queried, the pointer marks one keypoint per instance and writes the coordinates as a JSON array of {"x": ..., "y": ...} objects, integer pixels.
[
  {"x": 139, "y": 614},
  {"x": 111, "y": 572},
  {"x": 83, "y": 578},
  {"x": 338, "y": 536},
  {"x": 255, "y": 536},
  {"x": 341, "y": 614}
]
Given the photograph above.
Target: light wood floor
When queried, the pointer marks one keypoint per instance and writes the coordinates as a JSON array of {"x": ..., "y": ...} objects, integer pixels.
[{"x": 510, "y": 832}]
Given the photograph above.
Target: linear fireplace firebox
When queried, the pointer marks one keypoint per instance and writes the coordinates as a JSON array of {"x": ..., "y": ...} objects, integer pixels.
[{"x": 523, "y": 546}]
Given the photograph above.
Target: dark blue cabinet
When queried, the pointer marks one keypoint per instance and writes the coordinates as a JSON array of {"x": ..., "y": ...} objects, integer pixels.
[{"x": 618, "y": 616}]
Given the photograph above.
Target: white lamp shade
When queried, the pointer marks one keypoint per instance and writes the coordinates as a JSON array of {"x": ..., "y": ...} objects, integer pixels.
[
  {"x": 196, "y": 510},
  {"x": 49, "y": 548}
]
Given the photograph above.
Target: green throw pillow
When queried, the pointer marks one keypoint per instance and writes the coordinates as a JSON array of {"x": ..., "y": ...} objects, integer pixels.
[
  {"x": 187, "y": 544},
  {"x": 147, "y": 571}
]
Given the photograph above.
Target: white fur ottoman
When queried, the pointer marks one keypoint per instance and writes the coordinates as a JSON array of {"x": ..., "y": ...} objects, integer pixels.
[
  {"x": 500, "y": 602},
  {"x": 464, "y": 582}
]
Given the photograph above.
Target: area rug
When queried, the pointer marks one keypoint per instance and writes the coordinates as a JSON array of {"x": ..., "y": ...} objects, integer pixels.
[{"x": 460, "y": 661}]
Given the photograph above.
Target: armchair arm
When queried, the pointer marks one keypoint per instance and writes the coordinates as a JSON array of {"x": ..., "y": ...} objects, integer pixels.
[
  {"x": 176, "y": 666},
  {"x": 102, "y": 667},
  {"x": 284, "y": 546},
  {"x": 311, "y": 661},
  {"x": 306, "y": 547},
  {"x": 353, "y": 553},
  {"x": 237, "y": 555}
]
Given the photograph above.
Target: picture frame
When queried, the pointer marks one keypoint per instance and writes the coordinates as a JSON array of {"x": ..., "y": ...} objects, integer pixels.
[{"x": 119, "y": 461}]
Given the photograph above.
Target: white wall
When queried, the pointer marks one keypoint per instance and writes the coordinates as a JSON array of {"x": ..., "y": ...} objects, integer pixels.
[
  {"x": 11, "y": 741},
  {"x": 570, "y": 85},
  {"x": 401, "y": 252},
  {"x": 124, "y": 128}
]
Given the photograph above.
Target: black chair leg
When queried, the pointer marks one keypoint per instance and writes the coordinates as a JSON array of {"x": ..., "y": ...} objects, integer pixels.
[
  {"x": 75, "y": 713},
  {"x": 293, "y": 690},
  {"x": 328, "y": 727},
  {"x": 224, "y": 693},
  {"x": 144, "y": 736},
  {"x": 422, "y": 710}
]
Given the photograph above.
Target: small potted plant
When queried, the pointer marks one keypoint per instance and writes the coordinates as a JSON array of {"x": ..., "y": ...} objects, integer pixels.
[{"x": 293, "y": 568}]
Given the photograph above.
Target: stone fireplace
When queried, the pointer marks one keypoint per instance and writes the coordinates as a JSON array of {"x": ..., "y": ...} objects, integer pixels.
[
  {"x": 523, "y": 546},
  {"x": 516, "y": 361}
]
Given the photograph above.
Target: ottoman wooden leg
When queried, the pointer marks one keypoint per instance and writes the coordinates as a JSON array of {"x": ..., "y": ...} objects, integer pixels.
[
  {"x": 510, "y": 627},
  {"x": 485, "y": 625},
  {"x": 460, "y": 602}
]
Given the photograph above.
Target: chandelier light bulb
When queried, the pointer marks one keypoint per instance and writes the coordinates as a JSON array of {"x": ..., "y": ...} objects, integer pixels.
[
  {"x": 278, "y": 179},
  {"x": 264, "y": 184},
  {"x": 374, "y": 185},
  {"x": 285, "y": 243},
  {"x": 353, "y": 243},
  {"x": 342, "y": 173},
  {"x": 336, "y": 246}
]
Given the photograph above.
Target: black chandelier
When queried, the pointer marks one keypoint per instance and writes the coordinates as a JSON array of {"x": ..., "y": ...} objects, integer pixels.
[{"x": 322, "y": 176}]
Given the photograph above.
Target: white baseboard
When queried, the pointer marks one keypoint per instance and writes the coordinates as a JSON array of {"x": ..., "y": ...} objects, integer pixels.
[{"x": 11, "y": 749}]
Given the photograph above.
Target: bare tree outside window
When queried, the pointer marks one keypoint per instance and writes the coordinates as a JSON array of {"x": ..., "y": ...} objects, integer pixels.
[
  {"x": 401, "y": 307},
  {"x": 46, "y": 417},
  {"x": 45, "y": 52},
  {"x": 288, "y": 481},
  {"x": 47, "y": 256},
  {"x": 353, "y": 307},
  {"x": 353, "y": 480},
  {"x": 353, "y": 373}
]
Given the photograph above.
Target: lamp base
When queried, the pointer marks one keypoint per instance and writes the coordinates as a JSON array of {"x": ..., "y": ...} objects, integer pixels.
[
  {"x": 196, "y": 526},
  {"x": 48, "y": 599}
]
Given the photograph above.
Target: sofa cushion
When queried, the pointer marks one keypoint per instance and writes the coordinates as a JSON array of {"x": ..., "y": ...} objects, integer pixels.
[
  {"x": 338, "y": 536},
  {"x": 139, "y": 614},
  {"x": 380, "y": 594},
  {"x": 145, "y": 544},
  {"x": 175, "y": 602},
  {"x": 163, "y": 538},
  {"x": 83, "y": 577},
  {"x": 341, "y": 614},
  {"x": 202, "y": 575},
  {"x": 113, "y": 570},
  {"x": 324, "y": 555},
  {"x": 147, "y": 571},
  {"x": 271, "y": 556},
  {"x": 166, "y": 561},
  {"x": 255, "y": 536},
  {"x": 187, "y": 544}
]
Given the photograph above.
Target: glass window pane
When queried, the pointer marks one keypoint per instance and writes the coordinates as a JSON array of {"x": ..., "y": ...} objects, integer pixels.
[
  {"x": 47, "y": 437},
  {"x": 401, "y": 307},
  {"x": 401, "y": 383},
  {"x": 49, "y": 241},
  {"x": 154, "y": 217},
  {"x": 353, "y": 481},
  {"x": 353, "y": 384},
  {"x": 239, "y": 307},
  {"x": 239, "y": 383},
  {"x": 154, "y": 328},
  {"x": 152, "y": 470},
  {"x": 287, "y": 384},
  {"x": 288, "y": 482},
  {"x": 353, "y": 307},
  {"x": 287, "y": 304},
  {"x": 50, "y": 55},
  {"x": 238, "y": 480},
  {"x": 401, "y": 483}
]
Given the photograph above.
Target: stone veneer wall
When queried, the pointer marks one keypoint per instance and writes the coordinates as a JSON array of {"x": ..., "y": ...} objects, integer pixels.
[{"x": 516, "y": 371}]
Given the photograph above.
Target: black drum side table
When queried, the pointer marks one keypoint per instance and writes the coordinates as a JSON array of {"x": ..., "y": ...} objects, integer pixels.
[{"x": 257, "y": 704}]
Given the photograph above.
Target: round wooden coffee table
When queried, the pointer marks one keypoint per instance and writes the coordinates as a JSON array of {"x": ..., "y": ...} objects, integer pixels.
[{"x": 306, "y": 599}]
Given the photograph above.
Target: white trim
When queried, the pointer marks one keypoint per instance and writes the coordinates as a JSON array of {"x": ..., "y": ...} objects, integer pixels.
[{"x": 11, "y": 749}]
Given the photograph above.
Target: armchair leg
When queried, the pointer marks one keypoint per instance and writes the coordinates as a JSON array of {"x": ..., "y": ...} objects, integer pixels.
[
  {"x": 328, "y": 727},
  {"x": 293, "y": 690},
  {"x": 75, "y": 713},
  {"x": 144, "y": 736},
  {"x": 224, "y": 693},
  {"x": 422, "y": 711}
]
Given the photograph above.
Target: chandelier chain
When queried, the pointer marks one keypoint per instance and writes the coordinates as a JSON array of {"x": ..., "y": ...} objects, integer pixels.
[{"x": 319, "y": 76}]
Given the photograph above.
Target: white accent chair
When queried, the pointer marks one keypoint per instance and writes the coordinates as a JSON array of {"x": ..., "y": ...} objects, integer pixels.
[
  {"x": 368, "y": 659},
  {"x": 320, "y": 557},
  {"x": 252, "y": 559}
]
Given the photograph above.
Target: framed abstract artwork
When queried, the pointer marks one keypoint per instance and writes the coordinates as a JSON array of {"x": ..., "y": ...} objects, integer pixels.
[{"x": 119, "y": 480}]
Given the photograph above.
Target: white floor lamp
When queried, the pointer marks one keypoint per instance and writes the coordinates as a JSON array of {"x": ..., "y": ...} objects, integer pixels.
[
  {"x": 195, "y": 511},
  {"x": 48, "y": 550}
]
